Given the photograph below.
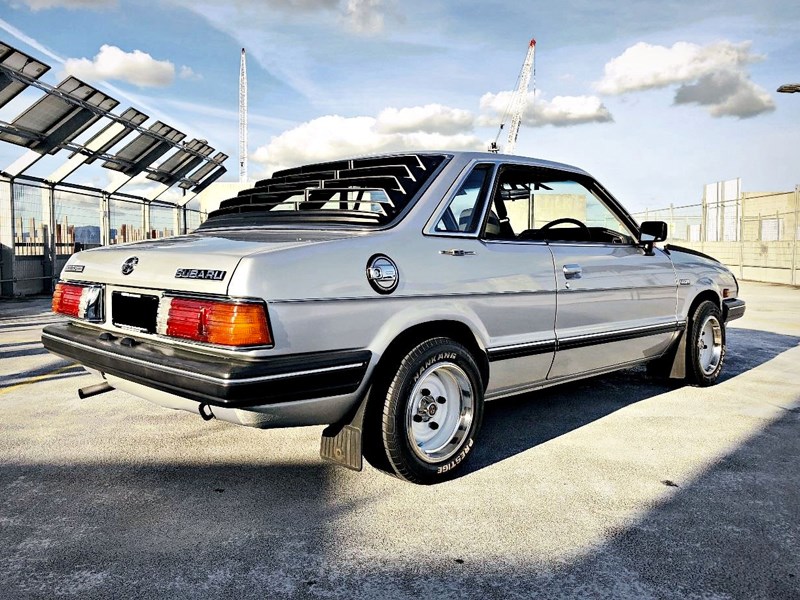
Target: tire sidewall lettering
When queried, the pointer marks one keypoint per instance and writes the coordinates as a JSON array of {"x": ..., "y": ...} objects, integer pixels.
[
  {"x": 452, "y": 464},
  {"x": 437, "y": 358},
  {"x": 402, "y": 457}
]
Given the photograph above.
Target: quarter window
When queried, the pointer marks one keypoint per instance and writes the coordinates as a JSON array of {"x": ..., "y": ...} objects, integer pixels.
[{"x": 462, "y": 214}]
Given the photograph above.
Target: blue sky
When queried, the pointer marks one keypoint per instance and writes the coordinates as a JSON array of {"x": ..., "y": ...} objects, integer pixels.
[{"x": 655, "y": 98}]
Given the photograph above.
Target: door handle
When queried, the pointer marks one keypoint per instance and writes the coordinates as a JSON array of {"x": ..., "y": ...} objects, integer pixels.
[{"x": 572, "y": 271}]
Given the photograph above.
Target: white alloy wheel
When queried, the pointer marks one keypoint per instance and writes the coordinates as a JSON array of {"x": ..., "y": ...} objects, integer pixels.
[
  {"x": 709, "y": 345},
  {"x": 439, "y": 412}
]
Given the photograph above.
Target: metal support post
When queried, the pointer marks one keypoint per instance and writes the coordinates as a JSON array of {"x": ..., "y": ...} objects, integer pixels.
[
  {"x": 50, "y": 249},
  {"x": 178, "y": 220},
  {"x": 105, "y": 220},
  {"x": 671, "y": 220},
  {"x": 796, "y": 230},
  {"x": 146, "y": 220},
  {"x": 703, "y": 217},
  {"x": 740, "y": 223},
  {"x": 7, "y": 235}
]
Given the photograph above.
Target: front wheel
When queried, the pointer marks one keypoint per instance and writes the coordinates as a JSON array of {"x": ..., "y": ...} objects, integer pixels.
[
  {"x": 432, "y": 411},
  {"x": 705, "y": 348}
]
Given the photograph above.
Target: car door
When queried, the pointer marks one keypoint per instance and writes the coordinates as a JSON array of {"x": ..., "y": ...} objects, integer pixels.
[
  {"x": 508, "y": 284},
  {"x": 616, "y": 301}
]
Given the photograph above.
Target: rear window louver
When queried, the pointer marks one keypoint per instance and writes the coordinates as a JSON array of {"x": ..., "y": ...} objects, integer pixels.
[{"x": 362, "y": 190}]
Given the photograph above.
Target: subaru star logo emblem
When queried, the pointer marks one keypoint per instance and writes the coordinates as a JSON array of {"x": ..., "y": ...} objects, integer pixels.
[{"x": 128, "y": 265}]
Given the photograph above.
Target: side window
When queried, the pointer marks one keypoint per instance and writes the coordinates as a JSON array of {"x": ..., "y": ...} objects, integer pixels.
[
  {"x": 566, "y": 210},
  {"x": 540, "y": 204},
  {"x": 462, "y": 215}
]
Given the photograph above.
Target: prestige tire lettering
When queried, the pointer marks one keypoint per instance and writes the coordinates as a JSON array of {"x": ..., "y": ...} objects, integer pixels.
[{"x": 457, "y": 460}]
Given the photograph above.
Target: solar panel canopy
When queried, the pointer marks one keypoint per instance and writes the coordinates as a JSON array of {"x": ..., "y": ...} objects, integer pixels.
[
  {"x": 202, "y": 173},
  {"x": 144, "y": 149},
  {"x": 184, "y": 160},
  {"x": 15, "y": 68},
  {"x": 58, "y": 117},
  {"x": 130, "y": 119}
]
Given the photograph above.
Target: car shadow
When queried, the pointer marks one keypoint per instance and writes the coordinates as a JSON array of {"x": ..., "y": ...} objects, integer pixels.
[
  {"x": 35, "y": 351},
  {"x": 519, "y": 423},
  {"x": 61, "y": 370}
]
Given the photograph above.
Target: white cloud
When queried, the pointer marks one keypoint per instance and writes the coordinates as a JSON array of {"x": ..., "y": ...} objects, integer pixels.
[
  {"x": 364, "y": 16},
  {"x": 135, "y": 67},
  {"x": 645, "y": 66},
  {"x": 294, "y": 5},
  {"x": 431, "y": 118},
  {"x": 36, "y": 5},
  {"x": 714, "y": 76},
  {"x": 561, "y": 111},
  {"x": 331, "y": 137},
  {"x": 726, "y": 94},
  {"x": 188, "y": 73}
]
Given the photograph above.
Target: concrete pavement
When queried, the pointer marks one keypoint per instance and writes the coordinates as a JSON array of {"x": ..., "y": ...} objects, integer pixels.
[{"x": 615, "y": 487}]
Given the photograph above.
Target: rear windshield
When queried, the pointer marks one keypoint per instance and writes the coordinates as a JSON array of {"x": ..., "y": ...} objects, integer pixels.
[{"x": 362, "y": 191}]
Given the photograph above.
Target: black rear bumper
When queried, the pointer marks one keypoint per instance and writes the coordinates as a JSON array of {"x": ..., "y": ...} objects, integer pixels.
[{"x": 212, "y": 379}]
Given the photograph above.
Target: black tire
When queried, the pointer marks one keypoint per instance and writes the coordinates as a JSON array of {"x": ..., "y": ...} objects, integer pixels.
[
  {"x": 432, "y": 412},
  {"x": 705, "y": 346}
]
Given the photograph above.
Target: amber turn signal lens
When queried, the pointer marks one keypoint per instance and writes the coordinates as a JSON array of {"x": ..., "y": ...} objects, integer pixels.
[{"x": 215, "y": 322}]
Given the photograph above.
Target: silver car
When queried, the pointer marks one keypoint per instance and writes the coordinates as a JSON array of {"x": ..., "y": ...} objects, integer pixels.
[{"x": 389, "y": 297}]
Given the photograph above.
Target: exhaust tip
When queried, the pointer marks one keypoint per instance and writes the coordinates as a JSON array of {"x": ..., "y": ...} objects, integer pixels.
[{"x": 94, "y": 390}]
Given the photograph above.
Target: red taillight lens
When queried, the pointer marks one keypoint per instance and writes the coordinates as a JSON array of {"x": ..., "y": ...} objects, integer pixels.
[
  {"x": 67, "y": 299},
  {"x": 80, "y": 301},
  {"x": 215, "y": 322}
]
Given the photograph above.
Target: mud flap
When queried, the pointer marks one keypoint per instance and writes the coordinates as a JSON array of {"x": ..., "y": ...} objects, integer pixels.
[
  {"x": 341, "y": 442},
  {"x": 679, "y": 362}
]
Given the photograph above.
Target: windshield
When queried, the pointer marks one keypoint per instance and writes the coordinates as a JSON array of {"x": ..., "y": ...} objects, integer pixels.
[{"x": 363, "y": 191}]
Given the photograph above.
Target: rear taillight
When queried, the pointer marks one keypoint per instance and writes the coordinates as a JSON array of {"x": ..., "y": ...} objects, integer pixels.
[
  {"x": 214, "y": 321},
  {"x": 80, "y": 301}
]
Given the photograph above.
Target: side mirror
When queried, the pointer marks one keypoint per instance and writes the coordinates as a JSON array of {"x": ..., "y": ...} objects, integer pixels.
[{"x": 651, "y": 232}]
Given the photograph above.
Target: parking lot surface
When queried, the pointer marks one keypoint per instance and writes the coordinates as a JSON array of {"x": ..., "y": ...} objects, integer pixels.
[{"x": 615, "y": 487}]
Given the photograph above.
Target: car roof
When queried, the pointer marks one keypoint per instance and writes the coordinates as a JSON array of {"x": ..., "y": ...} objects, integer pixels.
[{"x": 466, "y": 156}]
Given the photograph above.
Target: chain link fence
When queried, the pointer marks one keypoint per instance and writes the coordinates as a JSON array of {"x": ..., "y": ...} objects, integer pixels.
[
  {"x": 42, "y": 226},
  {"x": 755, "y": 234}
]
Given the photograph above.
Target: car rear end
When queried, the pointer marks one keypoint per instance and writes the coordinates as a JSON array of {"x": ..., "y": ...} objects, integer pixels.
[{"x": 156, "y": 320}]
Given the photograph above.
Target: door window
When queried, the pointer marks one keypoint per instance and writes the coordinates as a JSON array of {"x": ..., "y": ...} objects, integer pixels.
[{"x": 538, "y": 204}]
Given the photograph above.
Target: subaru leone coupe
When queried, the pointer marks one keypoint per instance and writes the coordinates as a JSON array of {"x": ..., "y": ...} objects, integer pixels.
[{"x": 389, "y": 297}]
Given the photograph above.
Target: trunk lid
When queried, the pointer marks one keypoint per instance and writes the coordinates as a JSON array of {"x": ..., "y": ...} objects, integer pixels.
[{"x": 198, "y": 262}]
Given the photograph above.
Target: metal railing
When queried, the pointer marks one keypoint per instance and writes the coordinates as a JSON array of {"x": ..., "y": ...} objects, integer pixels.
[
  {"x": 42, "y": 225},
  {"x": 756, "y": 234}
]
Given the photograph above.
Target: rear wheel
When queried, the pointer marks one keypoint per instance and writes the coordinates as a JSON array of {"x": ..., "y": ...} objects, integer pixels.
[
  {"x": 705, "y": 347},
  {"x": 432, "y": 411}
]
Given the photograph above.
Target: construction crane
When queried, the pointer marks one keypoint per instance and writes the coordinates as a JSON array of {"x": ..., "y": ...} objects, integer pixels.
[
  {"x": 242, "y": 119},
  {"x": 518, "y": 103}
]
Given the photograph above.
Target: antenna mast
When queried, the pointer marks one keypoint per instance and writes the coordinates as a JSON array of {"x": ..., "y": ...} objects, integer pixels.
[{"x": 243, "y": 119}]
